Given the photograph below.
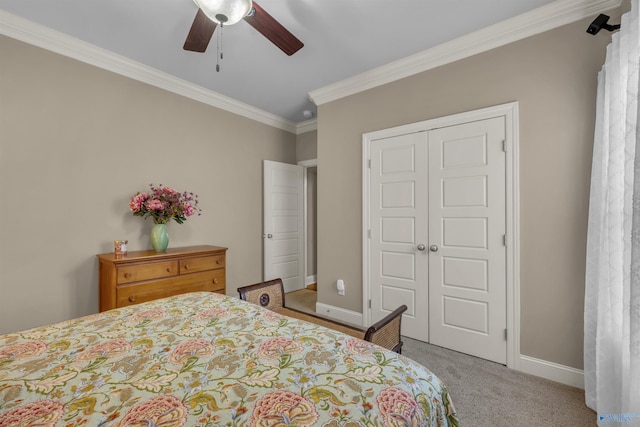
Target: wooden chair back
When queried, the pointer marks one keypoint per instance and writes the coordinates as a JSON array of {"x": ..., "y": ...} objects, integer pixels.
[
  {"x": 269, "y": 295},
  {"x": 386, "y": 332}
]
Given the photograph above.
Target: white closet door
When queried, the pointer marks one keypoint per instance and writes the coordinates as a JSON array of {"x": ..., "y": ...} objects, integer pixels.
[
  {"x": 398, "y": 228},
  {"x": 437, "y": 216},
  {"x": 467, "y": 259}
]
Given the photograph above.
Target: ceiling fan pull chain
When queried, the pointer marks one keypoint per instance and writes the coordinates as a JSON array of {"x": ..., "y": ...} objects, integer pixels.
[
  {"x": 221, "y": 42},
  {"x": 218, "y": 45}
]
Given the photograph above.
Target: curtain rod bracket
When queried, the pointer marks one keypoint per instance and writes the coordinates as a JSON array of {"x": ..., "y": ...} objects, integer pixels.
[{"x": 599, "y": 23}]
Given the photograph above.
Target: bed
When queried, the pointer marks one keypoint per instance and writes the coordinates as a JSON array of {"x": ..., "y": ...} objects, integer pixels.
[{"x": 204, "y": 359}]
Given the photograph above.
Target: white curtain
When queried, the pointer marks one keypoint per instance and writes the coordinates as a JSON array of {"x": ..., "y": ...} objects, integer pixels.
[{"x": 612, "y": 289}]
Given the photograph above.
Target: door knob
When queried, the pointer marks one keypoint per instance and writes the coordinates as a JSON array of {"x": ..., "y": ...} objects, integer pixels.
[
  {"x": 269, "y": 236},
  {"x": 433, "y": 248},
  {"x": 421, "y": 247}
]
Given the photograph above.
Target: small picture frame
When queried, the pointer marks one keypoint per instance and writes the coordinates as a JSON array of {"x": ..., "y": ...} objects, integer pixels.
[{"x": 120, "y": 247}]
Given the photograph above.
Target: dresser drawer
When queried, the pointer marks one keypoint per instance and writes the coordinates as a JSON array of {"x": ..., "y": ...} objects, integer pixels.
[
  {"x": 139, "y": 272},
  {"x": 195, "y": 264},
  {"x": 210, "y": 281},
  {"x": 218, "y": 281}
]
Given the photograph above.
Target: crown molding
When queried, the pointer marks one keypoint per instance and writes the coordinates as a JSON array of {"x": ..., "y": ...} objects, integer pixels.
[
  {"x": 306, "y": 126},
  {"x": 545, "y": 18},
  {"x": 54, "y": 41}
]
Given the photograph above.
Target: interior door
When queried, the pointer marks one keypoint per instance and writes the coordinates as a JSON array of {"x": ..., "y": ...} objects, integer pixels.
[
  {"x": 467, "y": 252},
  {"x": 283, "y": 222},
  {"x": 399, "y": 262}
]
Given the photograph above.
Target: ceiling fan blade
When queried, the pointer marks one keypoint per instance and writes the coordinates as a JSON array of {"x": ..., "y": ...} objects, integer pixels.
[
  {"x": 273, "y": 30},
  {"x": 200, "y": 33}
]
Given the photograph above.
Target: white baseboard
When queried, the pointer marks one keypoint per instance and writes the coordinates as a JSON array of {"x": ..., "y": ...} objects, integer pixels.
[
  {"x": 310, "y": 279},
  {"x": 339, "y": 314},
  {"x": 552, "y": 371}
]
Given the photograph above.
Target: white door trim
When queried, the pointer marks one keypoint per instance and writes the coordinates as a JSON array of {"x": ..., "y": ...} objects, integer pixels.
[
  {"x": 510, "y": 112},
  {"x": 306, "y": 164}
]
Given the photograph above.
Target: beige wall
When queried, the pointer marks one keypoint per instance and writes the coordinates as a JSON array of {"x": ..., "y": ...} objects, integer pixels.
[
  {"x": 307, "y": 146},
  {"x": 553, "y": 77},
  {"x": 76, "y": 143}
]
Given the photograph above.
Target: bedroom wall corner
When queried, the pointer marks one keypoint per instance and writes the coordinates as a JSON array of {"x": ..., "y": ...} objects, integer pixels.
[{"x": 307, "y": 146}]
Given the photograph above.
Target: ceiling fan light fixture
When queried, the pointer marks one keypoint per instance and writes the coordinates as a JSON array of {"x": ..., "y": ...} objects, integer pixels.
[{"x": 225, "y": 12}]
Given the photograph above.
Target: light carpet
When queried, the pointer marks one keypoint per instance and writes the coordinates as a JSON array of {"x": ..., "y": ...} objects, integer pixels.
[{"x": 489, "y": 394}]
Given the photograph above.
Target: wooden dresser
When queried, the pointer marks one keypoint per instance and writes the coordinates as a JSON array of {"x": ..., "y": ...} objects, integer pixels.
[{"x": 143, "y": 276}]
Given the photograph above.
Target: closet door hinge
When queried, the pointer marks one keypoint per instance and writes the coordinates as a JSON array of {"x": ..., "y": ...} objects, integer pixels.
[
  {"x": 504, "y": 145},
  {"x": 369, "y": 303},
  {"x": 504, "y": 239},
  {"x": 369, "y": 163},
  {"x": 505, "y": 334},
  {"x": 369, "y": 233}
]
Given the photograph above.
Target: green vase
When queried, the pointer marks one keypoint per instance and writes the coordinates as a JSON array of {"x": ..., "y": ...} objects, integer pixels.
[{"x": 159, "y": 237}]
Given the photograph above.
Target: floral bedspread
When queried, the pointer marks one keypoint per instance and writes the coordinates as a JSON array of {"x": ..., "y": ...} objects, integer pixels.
[{"x": 203, "y": 359}]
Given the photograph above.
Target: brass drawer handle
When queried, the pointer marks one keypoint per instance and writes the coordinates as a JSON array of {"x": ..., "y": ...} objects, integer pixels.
[
  {"x": 215, "y": 281},
  {"x": 186, "y": 266},
  {"x": 127, "y": 275},
  {"x": 168, "y": 269},
  {"x": 217, "y": 260},
  {"x": 132, "y": 298}
]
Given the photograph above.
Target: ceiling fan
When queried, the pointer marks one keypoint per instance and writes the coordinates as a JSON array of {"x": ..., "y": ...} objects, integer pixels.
[{"x": 212, "y": 13}]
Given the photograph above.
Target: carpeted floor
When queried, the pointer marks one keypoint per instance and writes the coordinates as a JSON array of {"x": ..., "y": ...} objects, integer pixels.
[{"x": 488, "y": 394}]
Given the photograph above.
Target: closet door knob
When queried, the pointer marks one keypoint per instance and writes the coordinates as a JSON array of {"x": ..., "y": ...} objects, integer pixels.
[
  {"x": 421, "y": 247},
  {"x": 433, "y": 248}
]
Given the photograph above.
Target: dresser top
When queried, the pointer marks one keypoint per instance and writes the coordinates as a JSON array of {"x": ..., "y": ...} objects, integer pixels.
[{"x": 169, "y": 253}]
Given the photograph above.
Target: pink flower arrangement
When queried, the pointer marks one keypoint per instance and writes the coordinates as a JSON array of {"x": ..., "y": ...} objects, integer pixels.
[{"x": 164, "y": 204}]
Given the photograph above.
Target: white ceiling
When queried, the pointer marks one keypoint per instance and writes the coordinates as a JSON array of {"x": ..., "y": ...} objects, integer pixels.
[{"x": 343, "y": 38}]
